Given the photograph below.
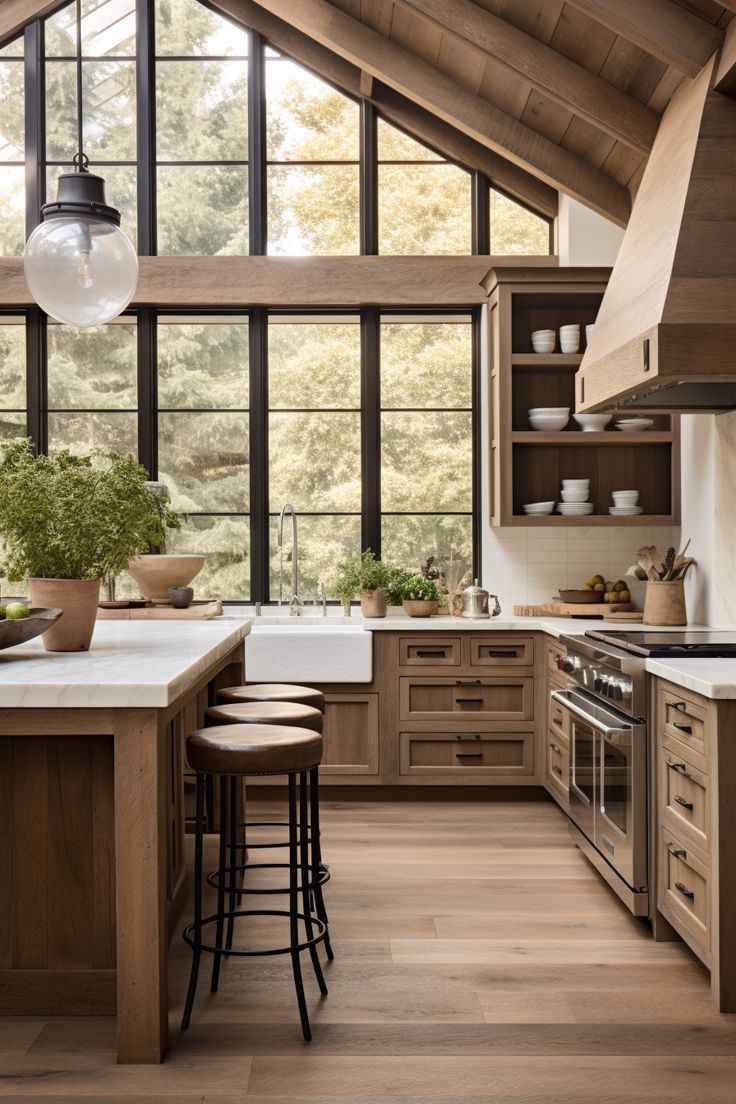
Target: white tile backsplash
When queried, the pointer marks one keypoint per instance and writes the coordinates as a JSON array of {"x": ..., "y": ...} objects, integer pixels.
[{"x": 529, "y": 565}]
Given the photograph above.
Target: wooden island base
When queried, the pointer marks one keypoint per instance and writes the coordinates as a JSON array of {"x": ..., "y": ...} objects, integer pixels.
[{"x": 92, "y": 864}]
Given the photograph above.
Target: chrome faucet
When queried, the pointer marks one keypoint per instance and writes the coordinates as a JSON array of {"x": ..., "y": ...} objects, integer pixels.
[{"x": 295, "y": 602}]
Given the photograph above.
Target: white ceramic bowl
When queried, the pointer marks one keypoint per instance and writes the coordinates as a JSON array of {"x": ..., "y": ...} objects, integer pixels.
[
  {"x": 576, "y": 496},
  {"x": 589, "y": 332},
  {"x": 550, "y": 418},
  {"x": 592, "y": 423},
  {"x": 634, "y": 425},
  {"x": 572, "y": 484},
  {"x": 543, "y": 341},
  {"x": 538, "y": 508},
  {"x": 625, "y": 498},
  {"x": 575, "y": 509},
  {"x": 569, "y": 326},
  {"x": 569, "y": 344},
  {"x": 625, "y": 511}
]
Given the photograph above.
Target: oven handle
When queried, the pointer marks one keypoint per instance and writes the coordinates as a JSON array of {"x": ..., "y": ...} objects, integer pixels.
[{"x": 562, "y": 697}]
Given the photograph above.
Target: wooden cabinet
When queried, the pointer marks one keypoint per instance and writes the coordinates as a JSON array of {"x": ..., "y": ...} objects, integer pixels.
[
  {"x": 557, "y": 726},
  {"x": 528, "y": 466},
  {"x": 503, "y": 698},
  {"x": 489, "y": 754},
  {"x": 695, "y": 825},
  {"x": 350, "y": 734},
  {"x": 430, "y": 650}
]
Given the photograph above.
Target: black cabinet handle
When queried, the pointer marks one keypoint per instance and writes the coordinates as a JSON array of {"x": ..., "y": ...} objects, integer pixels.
[
  {"x": 469, "y": 701},
  {"x": 679, "y": 705},
  {"x": 555, "y": 747},
  {"x": 684, "y": 890},
  {"x": 500, "y": 652},
  {"x": 468, "y": 754},
  {"x": 467, "y": 682},
  {"x": 681, "y": 768},
  {"x": 557, "y": 770},
  {"x": 683, "y": 727},
  {"x": 429, "y": 655},
  {"x": 683, "y": 801},
  {"x": 677, "y": 852}
]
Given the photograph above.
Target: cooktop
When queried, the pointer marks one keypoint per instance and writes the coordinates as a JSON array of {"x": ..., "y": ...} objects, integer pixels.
[{"x": 675, "y": 645}]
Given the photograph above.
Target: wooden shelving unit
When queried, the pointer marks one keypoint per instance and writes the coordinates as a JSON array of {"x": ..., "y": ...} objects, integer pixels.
[{"x": 529, "y": 466}]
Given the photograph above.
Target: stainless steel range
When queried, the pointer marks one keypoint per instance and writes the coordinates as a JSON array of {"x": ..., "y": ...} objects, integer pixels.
[{"x": 609, "y": 763}]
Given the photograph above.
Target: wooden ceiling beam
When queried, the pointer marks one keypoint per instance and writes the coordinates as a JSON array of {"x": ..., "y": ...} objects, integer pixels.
[
  {"x": 446, "y": 139},
  {"x": 725, "y": 78},
  {"x": 438, "y": 93},
  {"x": 561, "y": 79},
  {"x": 661, "y": 27},
  {"x": 16, "y": 14}
]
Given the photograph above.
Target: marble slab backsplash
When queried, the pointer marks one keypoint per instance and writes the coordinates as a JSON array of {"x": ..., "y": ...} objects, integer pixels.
[{"x": 530, "y": 565}]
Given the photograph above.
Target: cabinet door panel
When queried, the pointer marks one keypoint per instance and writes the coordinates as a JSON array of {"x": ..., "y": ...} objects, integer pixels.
[{"x": 350, "y": 734}]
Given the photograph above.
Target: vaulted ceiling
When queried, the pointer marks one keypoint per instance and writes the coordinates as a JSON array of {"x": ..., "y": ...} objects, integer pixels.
[{"x": 541, "y": 95}]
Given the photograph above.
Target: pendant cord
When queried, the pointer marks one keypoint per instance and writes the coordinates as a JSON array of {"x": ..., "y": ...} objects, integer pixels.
[{"x": 81, "y": 160}]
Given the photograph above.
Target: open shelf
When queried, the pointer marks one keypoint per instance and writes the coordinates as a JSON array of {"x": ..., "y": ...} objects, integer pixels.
[
  {"x": 539, "y": 360},
  {"x": 592, "y": 519},
  {"x": 616, "y": 438}
]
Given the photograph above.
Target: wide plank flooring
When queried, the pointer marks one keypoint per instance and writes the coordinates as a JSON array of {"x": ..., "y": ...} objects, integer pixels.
[{"x": 478, "y": 958}]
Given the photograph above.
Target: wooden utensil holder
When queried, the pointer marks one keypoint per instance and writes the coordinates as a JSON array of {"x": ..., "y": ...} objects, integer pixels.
[{"x": 665, "y": 603}]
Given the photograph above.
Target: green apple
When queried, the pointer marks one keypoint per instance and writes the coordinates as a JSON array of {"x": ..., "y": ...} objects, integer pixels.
[{"x": 16, "y": 611}]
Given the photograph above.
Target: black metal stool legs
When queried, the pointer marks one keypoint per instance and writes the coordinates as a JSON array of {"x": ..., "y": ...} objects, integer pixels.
[
  {"x": 294, "y": 909},
  {"x": 306, "y": 892},
  {"x": 197, "y": 953},
  {"x": 317, "y": 858},
  {"x": 221, "y": 885}
]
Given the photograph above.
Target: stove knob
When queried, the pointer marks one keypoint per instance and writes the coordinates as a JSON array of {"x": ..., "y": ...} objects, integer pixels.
[
  {"x": 617, "y": 690},
  {"x": 577, "y": 663},
  {"x": 598, "y": 684},
  {"x": 567, "y": 666}
]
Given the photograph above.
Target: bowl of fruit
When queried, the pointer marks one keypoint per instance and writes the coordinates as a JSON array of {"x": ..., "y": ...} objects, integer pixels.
[{"x": 19, "y": 622}]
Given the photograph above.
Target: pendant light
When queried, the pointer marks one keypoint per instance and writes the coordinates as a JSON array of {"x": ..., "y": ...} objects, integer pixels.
[{"x": 80, "y": 267}]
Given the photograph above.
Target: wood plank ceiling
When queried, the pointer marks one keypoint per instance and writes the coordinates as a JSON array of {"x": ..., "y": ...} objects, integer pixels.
[{"x": 569, "y": 93}]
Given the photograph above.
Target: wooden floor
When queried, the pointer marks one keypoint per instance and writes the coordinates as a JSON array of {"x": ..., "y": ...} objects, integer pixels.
[{"x": 478, "y": 958}]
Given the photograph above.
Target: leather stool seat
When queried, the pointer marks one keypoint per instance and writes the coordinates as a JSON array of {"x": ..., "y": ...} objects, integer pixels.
[
  {"x": 253, "y": 749},
  {"x": 273, "y": 692},
  {"x": 266, "y": 713}
]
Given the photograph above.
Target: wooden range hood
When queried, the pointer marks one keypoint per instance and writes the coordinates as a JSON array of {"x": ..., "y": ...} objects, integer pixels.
[{"x": 665, "y": 336}]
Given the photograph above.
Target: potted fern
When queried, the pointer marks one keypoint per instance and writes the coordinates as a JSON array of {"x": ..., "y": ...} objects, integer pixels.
[
  {"x": 420, "y": 597},
  {"x": 67, "y": 522}
]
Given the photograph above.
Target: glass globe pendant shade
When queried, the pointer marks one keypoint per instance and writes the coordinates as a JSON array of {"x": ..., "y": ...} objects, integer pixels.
[{"x": 80, "y": 267}]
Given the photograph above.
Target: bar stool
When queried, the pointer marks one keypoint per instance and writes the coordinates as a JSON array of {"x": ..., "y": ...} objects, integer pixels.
[
  {"x": 273, "y": 692},
  {"x": 277, "y": 713},
  {"x": 234, "y": 751}
]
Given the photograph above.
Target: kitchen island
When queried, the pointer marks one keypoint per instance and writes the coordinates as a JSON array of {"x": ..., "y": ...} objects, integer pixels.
[{"x": 91, "y": 784}]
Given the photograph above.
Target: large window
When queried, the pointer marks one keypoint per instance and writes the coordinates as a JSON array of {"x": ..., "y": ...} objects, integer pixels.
[
  {"x": 12, "y": 151},
  {"x": 12, "y": 376}
]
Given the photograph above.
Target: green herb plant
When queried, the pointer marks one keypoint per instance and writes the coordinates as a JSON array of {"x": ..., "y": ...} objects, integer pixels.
[
  {"x": 359, "y": 573},
  {"x": 75, "y": 517},
  {"x": 417, "y": 588}
]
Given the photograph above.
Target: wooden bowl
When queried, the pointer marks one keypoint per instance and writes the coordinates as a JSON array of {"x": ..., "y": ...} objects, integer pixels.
[
  {"x": 14, "y": 632},
  {"x": 581, "y": 597}
]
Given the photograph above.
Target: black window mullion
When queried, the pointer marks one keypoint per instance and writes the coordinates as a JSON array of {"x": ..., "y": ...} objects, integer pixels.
[
  {"x": 476, "y": 453},
  {"x": 37, "y": 379},
  {"x": 257, "y": 184},
  {"x": 370, "y": 429},
  {"x": 481, "y": 214},
  {"x": 35, "y": 122},
  {"x": 368, "y": 179},
  {"x": 147, "y": 375},
  {"x": 258, "y": 453},
  {"x": 146, "y": 127}
]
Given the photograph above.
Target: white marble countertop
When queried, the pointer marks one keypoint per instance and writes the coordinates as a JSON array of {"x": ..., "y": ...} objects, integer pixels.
[
  {"x": 147, "y": 664},
  {"x": 713, "y": 678},
  {"x": 553, "y": 626}
]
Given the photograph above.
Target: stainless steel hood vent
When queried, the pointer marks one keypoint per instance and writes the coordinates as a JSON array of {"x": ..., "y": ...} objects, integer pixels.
[{"x": 707, "y": 397}]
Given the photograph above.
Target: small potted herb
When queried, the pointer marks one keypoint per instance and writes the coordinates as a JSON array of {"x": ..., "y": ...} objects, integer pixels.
[
  {"x": 67, "y": 522},
  {"x": 420, "y": 596},
  {"x": 364, "y": 575}
]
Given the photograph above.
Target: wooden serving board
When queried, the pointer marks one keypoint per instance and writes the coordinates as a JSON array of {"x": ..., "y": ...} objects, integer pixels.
[
  {"x": 203, "y": 610},
  {"x": 570, "y": 609}
]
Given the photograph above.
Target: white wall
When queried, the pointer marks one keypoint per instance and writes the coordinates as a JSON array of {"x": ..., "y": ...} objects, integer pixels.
[{"x": 529, "y": 565}]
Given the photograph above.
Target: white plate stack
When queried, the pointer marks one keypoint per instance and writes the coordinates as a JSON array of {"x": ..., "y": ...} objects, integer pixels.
[
  {"x": 570, "y": 338},
  {"x": 625, "y": 504},
  {"x": 574, "y": 495}
]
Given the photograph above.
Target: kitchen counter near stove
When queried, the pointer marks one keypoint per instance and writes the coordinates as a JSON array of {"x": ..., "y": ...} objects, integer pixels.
[
  {"x": 552, "y": 626},
  {"x": 713, "y": 678}
]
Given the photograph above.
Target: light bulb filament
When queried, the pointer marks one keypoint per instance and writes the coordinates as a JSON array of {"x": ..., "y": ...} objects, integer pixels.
[{"x": 85, "y": 272}]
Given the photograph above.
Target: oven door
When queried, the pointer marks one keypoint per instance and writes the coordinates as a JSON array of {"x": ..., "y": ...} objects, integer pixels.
[{"x": 608, "y": 782}]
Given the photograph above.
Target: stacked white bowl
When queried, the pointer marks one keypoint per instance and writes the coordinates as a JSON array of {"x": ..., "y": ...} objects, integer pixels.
[
  {"x": 549, "y": 417},
  {"x": 625, "y": 504},
  {"x": 574, "y": 496},
  {"x": 570, "y": 338},
  {"x": 589, "y": 333},
  {"x": 592, "y": 423},
  {"x": 543, "y": 341}
]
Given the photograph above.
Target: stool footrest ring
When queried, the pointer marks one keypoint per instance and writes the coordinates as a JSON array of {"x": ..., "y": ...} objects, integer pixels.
[
  {"x": 188, "y": 934},
  {"x": 213, "y": 879}
]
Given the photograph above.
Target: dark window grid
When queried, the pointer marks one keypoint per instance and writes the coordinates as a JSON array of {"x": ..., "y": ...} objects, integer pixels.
[
  {"x": 204, "y": 410},
  {"x": 94, "y": 163},
  {"x": 92, "y": 409},
  {"x": 13, "y": 409},
  {"x": 12, "y": 164},
  {"x": 426, "y": 513},
  {"x": 69, "y": 58},
  {"x": 354, "y": 161},
  {"x": 201, "y": 57},
  {"x": 184, "y": 164},
  {"x": 427, "y": 409}
]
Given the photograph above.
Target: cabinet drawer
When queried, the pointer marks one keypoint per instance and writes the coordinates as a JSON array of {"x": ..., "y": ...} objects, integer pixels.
[
  {"x": 684, "y": 892},
  {"x": 558, "y": 719},
  {"x": 684, "y": 718},
  {"x": 491, "y": 650},
  {"x": 502, "y": 698},
  {"x": 684, "y": 799},
  {"x": 499, "y": 753},
  {"x": 558, "y": 768},
  {"x": 430, "y": 651}
]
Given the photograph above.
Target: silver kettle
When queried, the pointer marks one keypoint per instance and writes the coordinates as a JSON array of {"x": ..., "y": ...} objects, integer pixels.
[{"x": 476, "y": 602}]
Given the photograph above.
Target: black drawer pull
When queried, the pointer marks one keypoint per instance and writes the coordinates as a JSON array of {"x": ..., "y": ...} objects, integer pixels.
[
  {"x": 683, "y": 728},
  {"x": 678, "y": 705},
  {"x": 468, "y": 754},
  {"x": 681, "y": 768},
  {"x": 431, "y": 654},
  {"x": 500, "y": 652},
  {"x": 557, "y": 770},
  {"x": 467, "y": 682},
  {"x": 684, "y": 890},
  {"x": 555, "y": 747},
  {"x": 469, "y": 701},
  {"x": 677, "y": 852},
  {"x": 683, "y": 801}
]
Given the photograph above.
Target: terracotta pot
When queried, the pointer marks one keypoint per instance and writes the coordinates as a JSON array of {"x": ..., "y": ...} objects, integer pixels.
[
  {"x": 420, "y": 607},
  {"x": 154, "y": 574},
  {"x": 373, "y": 603},
  {"x": 78, "y": 599},
  {"x": 665, "y": 603}
]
